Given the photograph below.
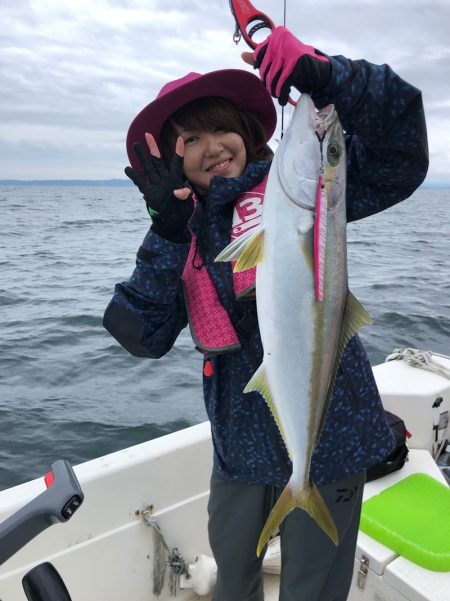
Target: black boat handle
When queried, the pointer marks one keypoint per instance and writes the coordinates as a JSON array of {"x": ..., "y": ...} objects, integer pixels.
[
  {"x": 56, "y": 504},
  {"x": 43, "y": 583}
]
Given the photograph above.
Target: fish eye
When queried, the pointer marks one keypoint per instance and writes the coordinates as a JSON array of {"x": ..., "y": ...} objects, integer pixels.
[{"x": 333, "y": 153}]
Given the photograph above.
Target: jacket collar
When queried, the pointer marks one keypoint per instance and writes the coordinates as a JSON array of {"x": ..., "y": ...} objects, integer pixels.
[
  {"x": 211, "y": 221},
  {"x": 225, "y": 190}
]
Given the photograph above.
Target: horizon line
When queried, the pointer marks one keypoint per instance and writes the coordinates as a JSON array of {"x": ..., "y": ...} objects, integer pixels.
[{"x": 126, "y": 181}]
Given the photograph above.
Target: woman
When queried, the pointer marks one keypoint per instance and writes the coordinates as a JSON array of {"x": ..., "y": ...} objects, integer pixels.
[{"x": 203, "y": 180}]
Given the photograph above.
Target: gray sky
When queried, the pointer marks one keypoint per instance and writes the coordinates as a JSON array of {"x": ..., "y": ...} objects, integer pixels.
[{"x": 75, "y": 73}]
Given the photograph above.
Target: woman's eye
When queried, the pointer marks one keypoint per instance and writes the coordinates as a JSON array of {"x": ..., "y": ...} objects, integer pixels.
[{"x": 191, "y": 139}]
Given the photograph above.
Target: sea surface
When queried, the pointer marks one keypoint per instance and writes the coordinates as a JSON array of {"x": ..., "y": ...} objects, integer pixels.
[{"x": 68, "y": 390}]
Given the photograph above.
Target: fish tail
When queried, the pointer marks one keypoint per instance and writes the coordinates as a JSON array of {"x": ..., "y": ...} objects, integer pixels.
[
  {"x": 284, "y": 505},
  {"x": 308, "y": 499},
  {"x": 318, "y": 510}
]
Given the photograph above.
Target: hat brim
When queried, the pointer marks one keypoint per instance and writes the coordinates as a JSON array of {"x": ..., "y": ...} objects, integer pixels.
[{"x": 240, "y": 87}]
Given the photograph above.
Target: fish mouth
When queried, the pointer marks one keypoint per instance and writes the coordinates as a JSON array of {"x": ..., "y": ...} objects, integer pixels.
[{"x": 218, "y": 166}]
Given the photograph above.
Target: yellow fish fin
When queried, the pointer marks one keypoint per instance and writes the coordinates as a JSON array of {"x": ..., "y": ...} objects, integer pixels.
[
  {"x": 234, "y": 249},
  {"x": 283, "y": 506},
  {"x": 318, "y": 510},
  {"x": 259, "y": 383},
  {"x": 355, "y": 317},
  {"x": 308, "y": 499},
  {"x": 247, "y": 250},
  {"x": 252, "y": 254}
]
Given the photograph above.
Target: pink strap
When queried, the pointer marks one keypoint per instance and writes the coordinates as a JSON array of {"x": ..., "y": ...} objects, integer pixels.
[{"x": 210, "y": 324}]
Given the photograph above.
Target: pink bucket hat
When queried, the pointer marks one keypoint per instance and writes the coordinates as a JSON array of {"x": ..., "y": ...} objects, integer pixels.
[{"x": 242, "y": 88}]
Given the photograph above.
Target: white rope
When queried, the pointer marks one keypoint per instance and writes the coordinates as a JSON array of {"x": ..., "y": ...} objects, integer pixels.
[
  {"x": 161, "y": 551},
  {"x": 422, "y": 359}
]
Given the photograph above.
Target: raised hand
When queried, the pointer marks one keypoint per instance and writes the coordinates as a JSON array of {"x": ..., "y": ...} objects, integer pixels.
[{"x": 169, "y": 201}]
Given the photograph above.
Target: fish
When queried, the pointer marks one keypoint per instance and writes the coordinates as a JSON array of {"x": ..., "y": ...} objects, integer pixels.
[{"x": 306, "y": 313}]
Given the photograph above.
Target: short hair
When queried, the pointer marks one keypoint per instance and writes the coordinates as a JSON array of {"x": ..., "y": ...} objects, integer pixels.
[{"x": 209, "y": 112}]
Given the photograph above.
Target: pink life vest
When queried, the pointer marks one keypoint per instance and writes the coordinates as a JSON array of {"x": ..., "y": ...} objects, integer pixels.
[{"x": 210, "y": 324}]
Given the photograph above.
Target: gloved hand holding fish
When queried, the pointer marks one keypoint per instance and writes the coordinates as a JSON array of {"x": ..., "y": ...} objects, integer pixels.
[
  {"x": 284, "y": 61},
  {"x": 306, "y": 313}
]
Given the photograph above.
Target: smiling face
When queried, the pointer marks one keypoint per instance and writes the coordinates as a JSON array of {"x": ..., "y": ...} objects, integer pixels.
[
  {"x": 219, "y": 140},
  {"x": 212, "y": 152}
]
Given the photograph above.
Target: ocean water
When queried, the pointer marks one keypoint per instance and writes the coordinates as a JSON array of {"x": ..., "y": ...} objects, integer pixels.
[{"x": 68, "y": 390}]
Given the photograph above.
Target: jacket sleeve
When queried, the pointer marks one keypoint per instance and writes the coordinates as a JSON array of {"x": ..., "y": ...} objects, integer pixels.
[
  {"x": 384, "y": 122},
  {"x": 147, "y": 313}
]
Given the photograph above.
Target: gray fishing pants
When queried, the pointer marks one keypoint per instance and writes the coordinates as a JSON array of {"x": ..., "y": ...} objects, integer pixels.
[{"x": 312, "y": 567}]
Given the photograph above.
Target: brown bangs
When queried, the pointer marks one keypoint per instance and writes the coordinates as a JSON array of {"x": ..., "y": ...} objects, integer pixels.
[{"x": 211, "y": 112}]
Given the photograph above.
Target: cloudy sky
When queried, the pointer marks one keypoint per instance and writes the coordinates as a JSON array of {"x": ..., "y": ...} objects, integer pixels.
[{"x": 75, "y": 73}]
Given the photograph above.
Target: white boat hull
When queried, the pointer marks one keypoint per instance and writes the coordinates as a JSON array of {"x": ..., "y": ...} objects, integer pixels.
[{"x": 106, "y": 552}]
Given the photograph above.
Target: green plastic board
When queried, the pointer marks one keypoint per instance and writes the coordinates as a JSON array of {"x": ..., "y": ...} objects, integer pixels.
[{"x": 412, "y": 518}]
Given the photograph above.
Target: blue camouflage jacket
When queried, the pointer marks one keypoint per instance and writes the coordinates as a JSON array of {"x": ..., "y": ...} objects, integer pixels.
[{"x": 387, "y": 157}]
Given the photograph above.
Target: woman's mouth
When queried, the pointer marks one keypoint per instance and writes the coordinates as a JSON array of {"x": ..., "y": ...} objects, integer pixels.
[{"x": 219, "y": 166}]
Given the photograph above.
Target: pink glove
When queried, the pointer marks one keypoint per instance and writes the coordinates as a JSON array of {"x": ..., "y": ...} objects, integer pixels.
[{"x": 284, "y": 61}]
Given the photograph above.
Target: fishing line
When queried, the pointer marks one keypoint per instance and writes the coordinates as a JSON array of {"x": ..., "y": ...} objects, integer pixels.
[{"x": 282, "y": 108}]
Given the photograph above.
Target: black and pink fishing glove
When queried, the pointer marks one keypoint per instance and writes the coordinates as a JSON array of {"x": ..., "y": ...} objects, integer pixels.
[
  {"x": 284, "y": 61},
  {"x": 170, "y": 215}
]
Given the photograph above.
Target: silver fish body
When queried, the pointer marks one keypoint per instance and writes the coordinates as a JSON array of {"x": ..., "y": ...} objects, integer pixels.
[{"x": 305, "y": 311}]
